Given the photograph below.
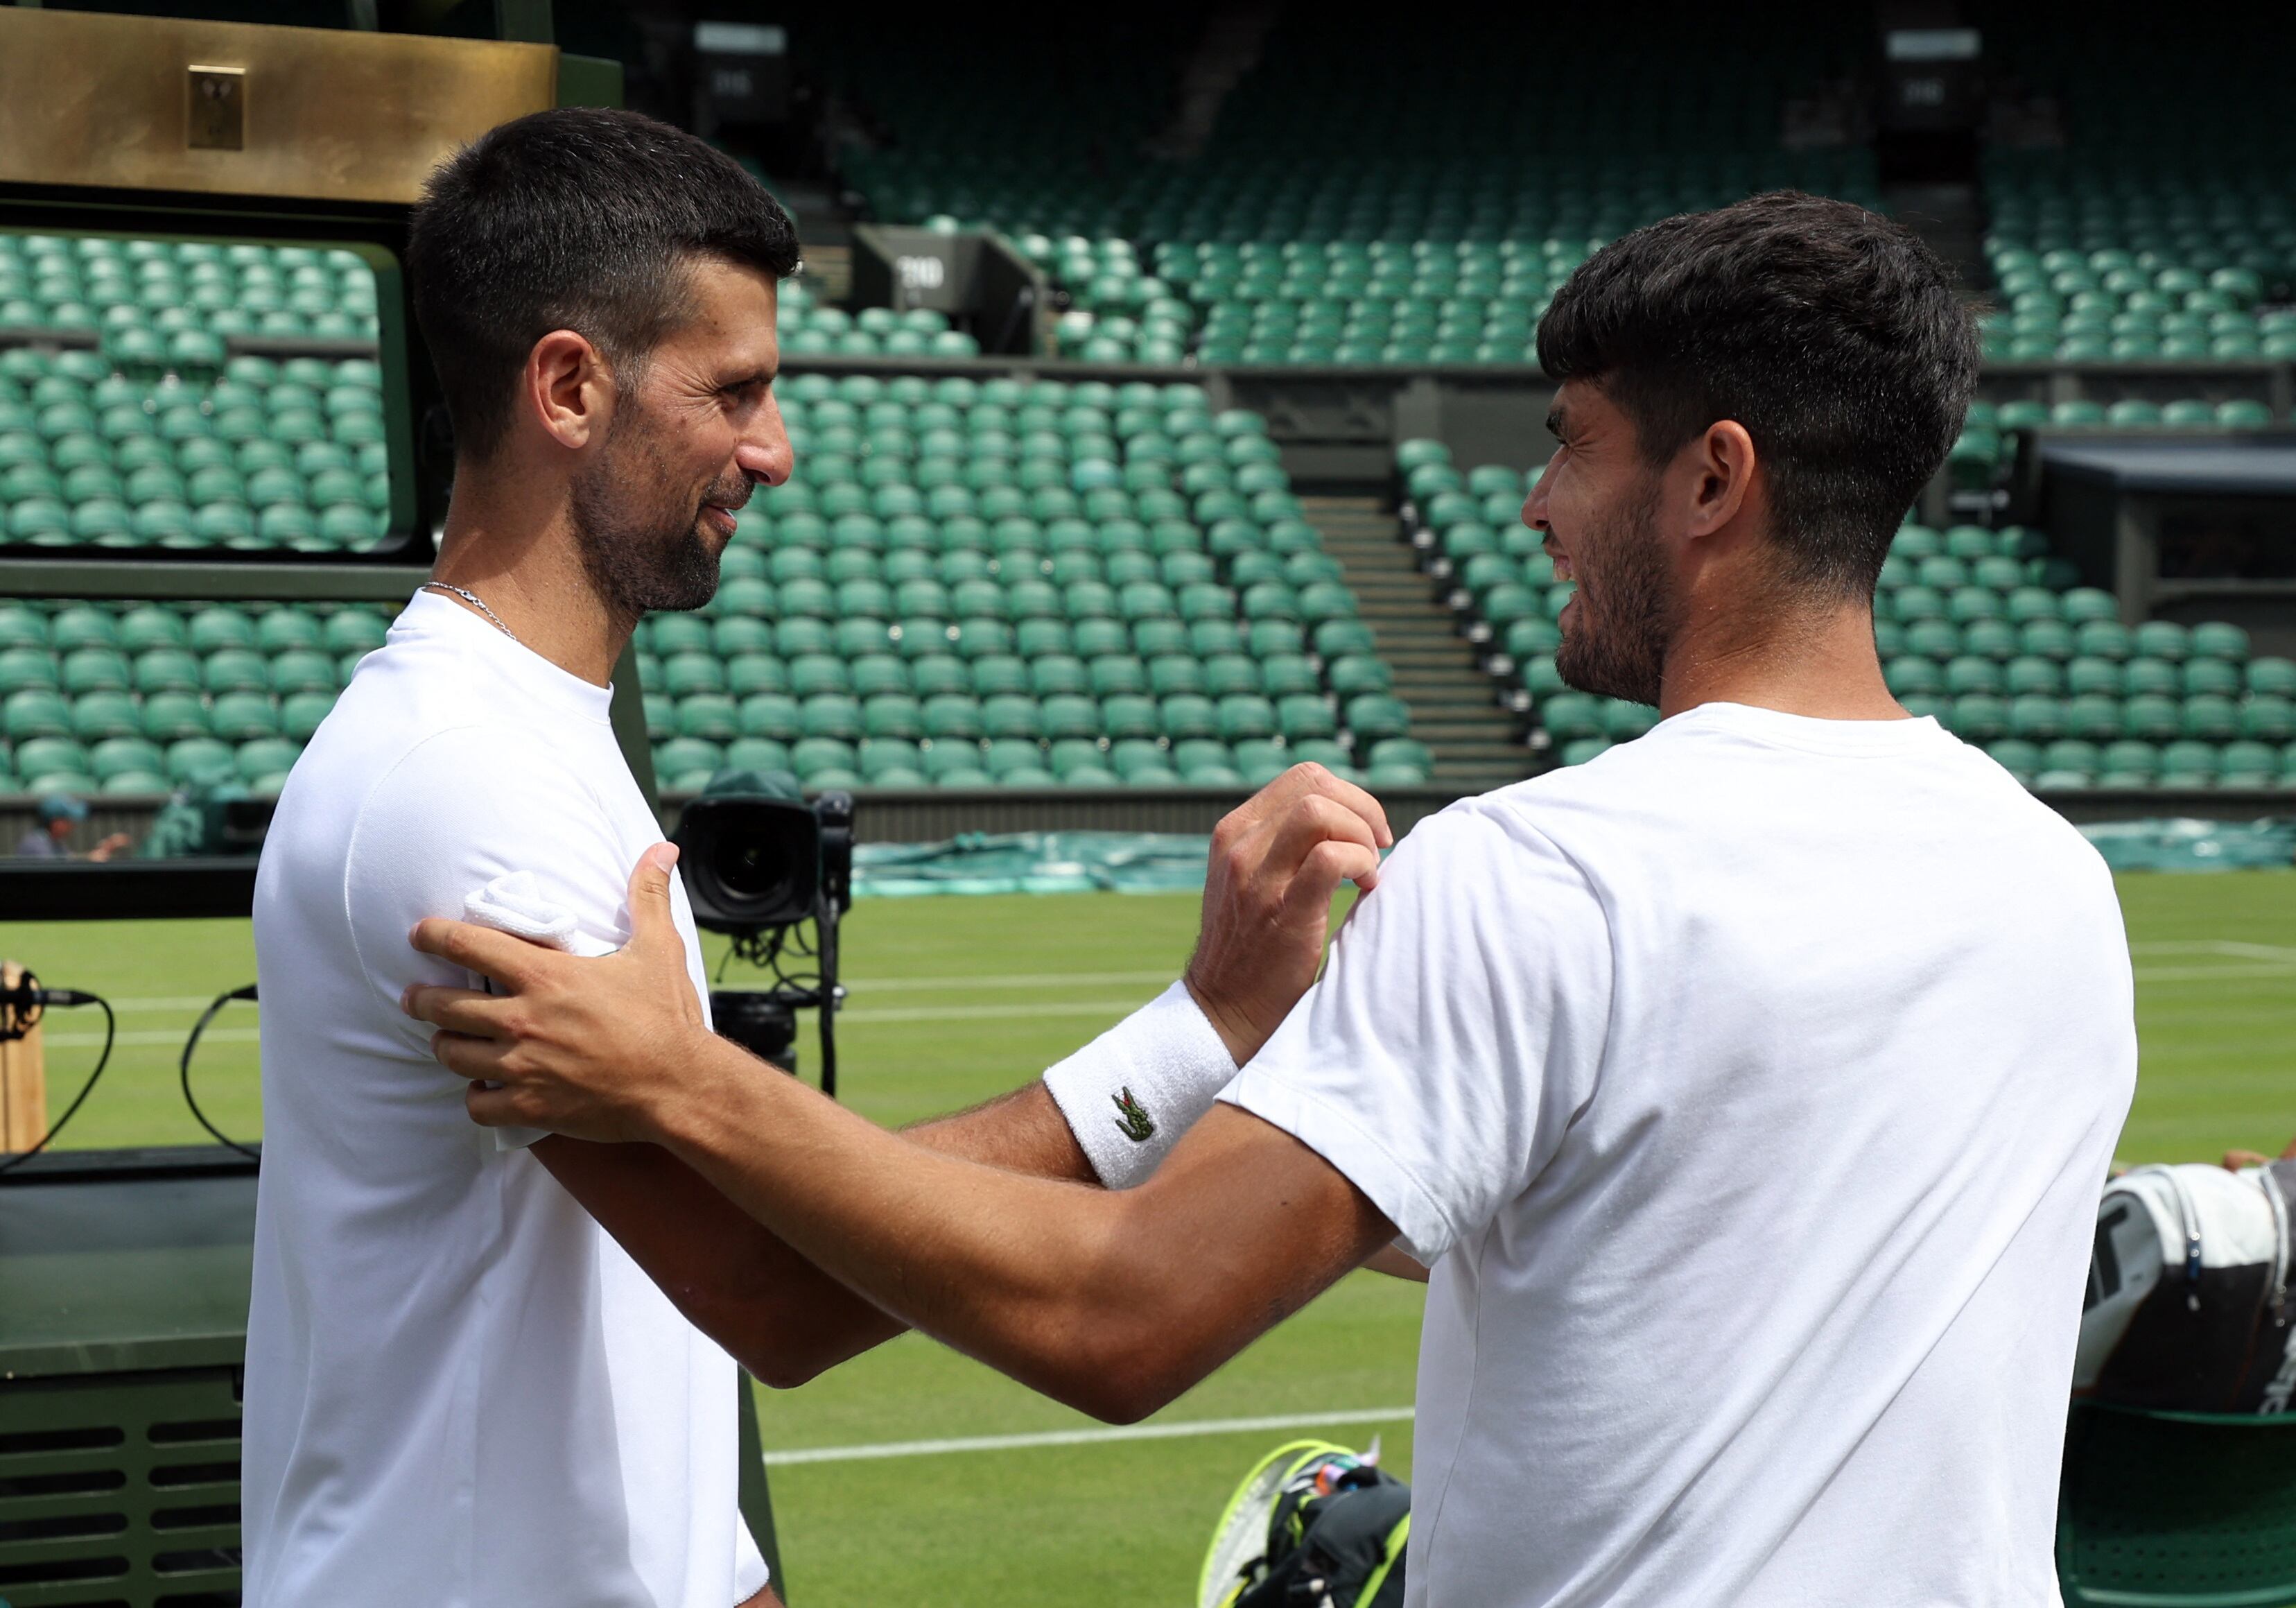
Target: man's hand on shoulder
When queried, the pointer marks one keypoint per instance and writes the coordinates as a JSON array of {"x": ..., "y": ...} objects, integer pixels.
[
  {"x": 1276, "y": 862},
  {"x": 598, "y": 1048}
]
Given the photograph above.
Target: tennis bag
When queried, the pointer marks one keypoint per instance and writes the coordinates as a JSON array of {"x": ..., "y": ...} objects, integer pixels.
[
  {"x": 2187, "y": 1306},
  {"x": 1314, "y": 1524}
]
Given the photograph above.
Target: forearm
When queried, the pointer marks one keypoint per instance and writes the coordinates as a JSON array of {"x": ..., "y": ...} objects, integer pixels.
[
  {"x": 1029, "y": 1275},
  {"x": 739, "y": 1283},
  {"x": 1111, "y": 1301}
]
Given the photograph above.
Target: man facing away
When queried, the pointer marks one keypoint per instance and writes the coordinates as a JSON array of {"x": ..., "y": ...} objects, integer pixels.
[
  {"x": 1748, "y": 1090},
  {"x": 487, "y": 1373}
]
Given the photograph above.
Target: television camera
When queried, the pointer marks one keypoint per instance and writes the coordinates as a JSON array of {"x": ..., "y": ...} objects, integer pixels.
[{"x": 761, "y": 865}]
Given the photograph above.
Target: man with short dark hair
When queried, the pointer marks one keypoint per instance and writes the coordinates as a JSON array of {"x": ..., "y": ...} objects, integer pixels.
[
  {"x": 1747, "y": 1088},
  {"x": 486, "y": 1370},
  {"x": 459, "y": 1390}
]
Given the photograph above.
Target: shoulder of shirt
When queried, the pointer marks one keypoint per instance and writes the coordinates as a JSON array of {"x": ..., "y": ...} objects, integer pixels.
[
  {"x": 1554, "y": 803},
  {"x": 1475, "y": 835},
  {"x": 496, "y": 760}
]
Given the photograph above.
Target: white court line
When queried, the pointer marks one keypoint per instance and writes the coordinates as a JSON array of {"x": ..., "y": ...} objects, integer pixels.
[
  {"x": 1091, "y": 1436},
  {"x": 1054, "y": 980},
  {"x": 991, "y": 1013},
  {"x": 171, "y": 1037},
  {"x": 2216, "y": 946},
  {"x": 162, "y": 1002},
  {"x": 2249, "y": 960}
]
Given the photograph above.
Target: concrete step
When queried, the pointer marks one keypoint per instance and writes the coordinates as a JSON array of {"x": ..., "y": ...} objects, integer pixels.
[{"x": 1454, "y": 708}]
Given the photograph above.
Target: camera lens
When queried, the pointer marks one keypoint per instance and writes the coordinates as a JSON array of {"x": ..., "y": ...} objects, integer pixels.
[
  {"x": 751, "y": 862},
  {"x": 749, "y": 869}
]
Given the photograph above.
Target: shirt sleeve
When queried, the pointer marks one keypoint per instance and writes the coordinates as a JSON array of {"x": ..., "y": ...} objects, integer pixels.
[
  {"x": 462, "y": 808},
  {"x": 1458, "y": 1026}
]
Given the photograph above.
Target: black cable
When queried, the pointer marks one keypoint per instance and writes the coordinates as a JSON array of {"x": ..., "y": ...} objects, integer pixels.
[
  {"x": 67, "y": 998},
  {"x": 215, "y": 1007}
]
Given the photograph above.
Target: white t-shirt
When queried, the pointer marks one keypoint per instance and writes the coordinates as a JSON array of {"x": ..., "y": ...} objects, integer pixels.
[
  {"x": 461, "y": 1392},
  {"x": 1749, "y": 1090}
]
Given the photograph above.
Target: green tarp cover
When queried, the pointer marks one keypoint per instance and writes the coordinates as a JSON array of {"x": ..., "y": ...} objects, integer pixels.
[
  {"x": 2192, "y": 845},
  {"x": 1034, "y": 862},
  {"x": 1134, "y": 862}
]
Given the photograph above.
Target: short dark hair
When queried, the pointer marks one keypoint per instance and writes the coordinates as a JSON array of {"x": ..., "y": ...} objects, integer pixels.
[
  {"x": 1835, "y": 336},
  {"x": 580, "y": 218}
]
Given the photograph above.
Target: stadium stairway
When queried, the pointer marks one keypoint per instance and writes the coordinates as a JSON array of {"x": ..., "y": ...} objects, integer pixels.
[
  {"x": 1949, "y": 218},
  {"x": 1475, "y": 743}
]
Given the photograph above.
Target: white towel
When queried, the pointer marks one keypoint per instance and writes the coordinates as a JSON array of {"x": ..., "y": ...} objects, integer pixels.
[{"x": 515, "y": 904}]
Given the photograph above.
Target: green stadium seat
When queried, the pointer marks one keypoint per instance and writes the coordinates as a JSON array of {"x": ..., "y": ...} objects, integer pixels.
[
  {"x": 126, "y": 756},
  {"x": 1372, "y": 716},
  {"x": 2029, "y": 674},
  {"x": 1305, "y": 716},
  {"x": 2019, "y": 758},
  {"x": 300, "y": 713},
  {"x": 2161, "y": 639},
  {"x": 2146, "y": 675},
  {"x": 2247, "y": 759},
  {"x": 2217, "y": 677},
  {"x": 102, "y": 714},
  {"x": 240, "y": 715},
  {"x": 2104, "y": 639},
  {"x": 2210, "y": 718},
  {"x": 2094, "y": 717},
  {"x": 2154, "y": 717}
]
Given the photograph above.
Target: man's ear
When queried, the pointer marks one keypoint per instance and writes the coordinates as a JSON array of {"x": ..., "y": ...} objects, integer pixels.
[
  {"x": 1725, "y": 463},
  {"x": 568, "y": 389}
]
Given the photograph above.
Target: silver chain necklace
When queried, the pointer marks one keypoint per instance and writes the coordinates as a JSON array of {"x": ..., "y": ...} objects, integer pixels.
[{"x": 476, "y": 601}]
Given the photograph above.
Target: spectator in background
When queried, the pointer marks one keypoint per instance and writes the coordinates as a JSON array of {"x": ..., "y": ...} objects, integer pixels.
[
  {"x": 51, "y": 839},
  {"x": 2235, "y": 1160}
]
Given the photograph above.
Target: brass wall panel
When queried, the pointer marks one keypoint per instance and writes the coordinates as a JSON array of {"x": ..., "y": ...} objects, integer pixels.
[{"x": 87, "y": 98}]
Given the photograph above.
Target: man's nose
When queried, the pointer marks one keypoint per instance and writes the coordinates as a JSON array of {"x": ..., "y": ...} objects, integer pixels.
[
  {"x": 766, "y": 456},
  {"x": 1533, "y": 506}
]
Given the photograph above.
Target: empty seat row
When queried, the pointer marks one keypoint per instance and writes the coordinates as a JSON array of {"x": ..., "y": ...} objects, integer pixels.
[
  {"x": 1280, "y": 674},
  {"x": 686, "y": 763},
  {"x": 138, "y": 698},
  {"x": 164, "y": 289},
  {"x": 734, "y": 635},
  {"x": 1010, "y": 560},
  {"x": 721, "y": 717},
  {"x": 264, "y": 458},
  {"x": 1984, "y": 628}
]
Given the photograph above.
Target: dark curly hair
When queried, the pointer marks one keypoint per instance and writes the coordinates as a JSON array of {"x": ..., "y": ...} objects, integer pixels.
[{"x": 1835, "y": 336}]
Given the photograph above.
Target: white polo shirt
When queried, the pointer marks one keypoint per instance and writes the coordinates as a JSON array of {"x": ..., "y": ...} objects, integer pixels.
[
  {"x": 1749, "y": 1090},
  {"x": 461, "y": 1392}
]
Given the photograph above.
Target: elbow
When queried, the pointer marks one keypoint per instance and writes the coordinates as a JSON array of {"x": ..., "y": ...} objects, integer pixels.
[
  {"x": 782, "y": 1360},
  {"x": 1117, "y": 1378},
  {"x": 777, "y": 1371},
  {"x": 1122, "y": 1405},
  {"x": 781, "y": 1354}
]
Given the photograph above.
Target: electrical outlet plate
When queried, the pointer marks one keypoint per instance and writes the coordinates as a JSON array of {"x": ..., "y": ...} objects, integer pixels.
[{"x": 218, "y": 110}]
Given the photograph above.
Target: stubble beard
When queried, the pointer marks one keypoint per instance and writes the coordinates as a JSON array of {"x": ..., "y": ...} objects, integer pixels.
[
  {"x": 638, "y": 530},
  {"x": 1620, "y": 626}
]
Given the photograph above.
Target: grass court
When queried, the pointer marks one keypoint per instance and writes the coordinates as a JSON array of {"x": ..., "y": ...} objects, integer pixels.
[{"x": 956, "y": 999}]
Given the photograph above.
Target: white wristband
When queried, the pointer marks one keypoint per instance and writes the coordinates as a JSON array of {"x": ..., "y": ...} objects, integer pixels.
[{"x": 1131, "y": 1093}]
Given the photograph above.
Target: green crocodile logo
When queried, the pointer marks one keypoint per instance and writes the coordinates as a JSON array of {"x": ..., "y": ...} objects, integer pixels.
[{"x": 1132, "y": 1118}]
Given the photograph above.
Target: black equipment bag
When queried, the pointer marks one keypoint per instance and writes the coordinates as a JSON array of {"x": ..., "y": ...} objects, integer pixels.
[{"x": 2187, "y": 1306}]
